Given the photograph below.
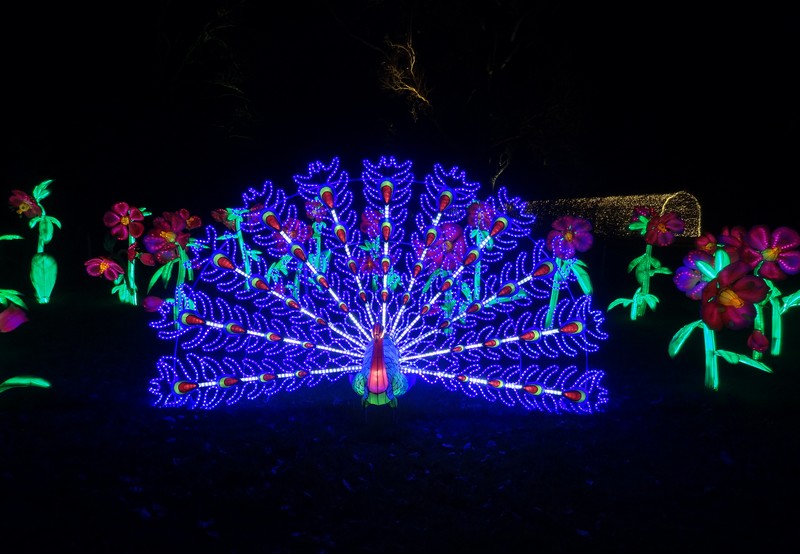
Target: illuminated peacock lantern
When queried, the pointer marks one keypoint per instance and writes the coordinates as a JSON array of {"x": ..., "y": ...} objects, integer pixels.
[{"x": 382, "y": 281}]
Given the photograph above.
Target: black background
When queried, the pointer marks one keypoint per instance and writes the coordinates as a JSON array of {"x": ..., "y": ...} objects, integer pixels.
[{"x": 136, "y": 103}]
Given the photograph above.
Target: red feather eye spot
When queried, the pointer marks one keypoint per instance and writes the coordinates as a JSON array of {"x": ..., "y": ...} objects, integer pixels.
[
  {"x": 272, "y": 220},
  {"x": 265, "y": 377},
  {"x": 545, "y": 269},
  {"x": 326, "y": 195},
  {"x": 235, "y": 329},
  {"x": 222, "y": 261},
  {"x": 227, "y": 382},
  {"x": 535, "y": 390},
  {"x": 188, "y": 319},
  {"x": 183, "y": 387},
  {"x": 496, "y": 383},
  {"x": 341, "y": 233},
  {"x": 472, "y": 255},
  {"x": 406, "y": 298},
  {"x": 462, "y": 378},
  {"x": 387, "y": 188},
  {"x": 321, "y": 321},
  {"x": 430, "y": 236},
  {"x": 323, "y": 282},
  {"x": 492, "y": 343},
  {"x": 298, "y": 252},
  {"x": 259, "y": 283},
  {"x": 445, "y": 199},
  {"x": 532, "y": 335},
  {"x": 507, "y": 290},
  {"x": 300, "y": 373},
  {"x": 572, "y": 328},
  {"x": 292, "y": 303},
  {"x": 575, "y": 395},
  {"x": 417, "y": 268},
  {"x": 499, "y": 226},
  {"x": 457, "y": 349}
]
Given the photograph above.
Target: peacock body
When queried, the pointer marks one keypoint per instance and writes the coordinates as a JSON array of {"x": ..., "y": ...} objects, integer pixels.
[{"x": 383, "y": 280}]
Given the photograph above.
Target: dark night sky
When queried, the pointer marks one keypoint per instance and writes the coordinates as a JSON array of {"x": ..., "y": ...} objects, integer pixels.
[{"x": 115, "y": 104}]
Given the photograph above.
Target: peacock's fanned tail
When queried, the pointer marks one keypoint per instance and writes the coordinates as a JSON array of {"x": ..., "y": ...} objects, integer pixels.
[{"x": 380, "y": 280}]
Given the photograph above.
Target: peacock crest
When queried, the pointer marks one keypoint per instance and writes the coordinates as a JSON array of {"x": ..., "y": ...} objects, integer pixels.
[{"x": 383, "y": 280}]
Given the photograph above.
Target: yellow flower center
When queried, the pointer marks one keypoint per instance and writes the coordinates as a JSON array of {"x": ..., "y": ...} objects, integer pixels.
[
  {"x": 771, "y": 254},
  {"x": 23, "y": 207},
  {"x": 569, "y": 235},
  {"x": 729, "y": 298},
  {"x": 125, "y": 220},
  {"x": 103, "y": 267},
  {"x": 168, "y": 236}
]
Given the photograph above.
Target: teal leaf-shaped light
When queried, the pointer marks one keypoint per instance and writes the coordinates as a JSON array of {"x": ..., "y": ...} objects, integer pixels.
[{"x": 679, "y": 338}]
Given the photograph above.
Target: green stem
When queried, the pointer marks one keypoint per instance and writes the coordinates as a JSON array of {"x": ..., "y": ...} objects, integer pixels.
[
  {"x": 777, "y": 327},
  {"x": 548, "y": 322},
  {"x": 647, "y": 261},
  {"x": 758, "y": 325},
  {"x": 177, "y": 306},
  {"x": 40, "y": 242},
  {"x": 132, "y": 291},
  {"x": 476, "y": 282},
  {"x": 712, "y": 364},
  {"x": 243, "y": 249}
]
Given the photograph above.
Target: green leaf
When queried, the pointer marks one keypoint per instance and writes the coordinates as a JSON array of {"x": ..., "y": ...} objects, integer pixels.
[
  {"x": 156, "y": 275},
  {"x": 325, "y": 262},
  {"x": 46, "y": 230},
  {"x": 10, "y": 237},
  {"x": 428, "y": 283},
  {"x": 24, "y": 381},
  {"x": 642, "y": 273},
  {"x": 680, "y": 337},
  {"x": 8, "y": 295},
  {"x": 651, "y": 300},
  {"x": 790, "y": 301},
  {"x": 636, "y": 261},
  {"x": 40, "y": 191},
  {"x": 734, "y": 358},
  {"x": 728, "y": 356},
  {"x": 583, "y": 278},
  {"x": 624, "y": 302},
  {"x": 640, "y": 225},
  {"x": 721, "y": 259},
  {"x": 706, "y": 269},
  {"x": 662, "y": 270},
  {"x": 43, "y": 274}
]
